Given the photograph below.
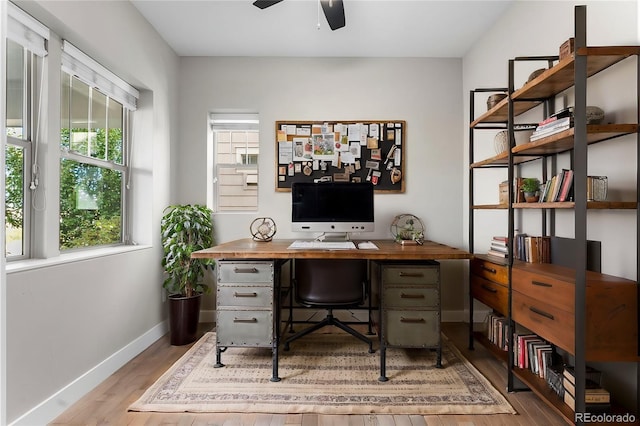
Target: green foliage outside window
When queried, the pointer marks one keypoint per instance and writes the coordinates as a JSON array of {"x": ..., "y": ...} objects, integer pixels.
[{"x": 91, "y": 196}]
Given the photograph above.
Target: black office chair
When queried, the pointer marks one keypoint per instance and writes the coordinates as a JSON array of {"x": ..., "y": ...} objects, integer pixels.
[{"x": 330, "y": 284}]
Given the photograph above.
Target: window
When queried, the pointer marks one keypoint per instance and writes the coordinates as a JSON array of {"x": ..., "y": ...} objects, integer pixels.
[
  {"x": 25, "y": 52},
  {"x": 236, "y": 142},
  {"x": 93, "y": 164}
]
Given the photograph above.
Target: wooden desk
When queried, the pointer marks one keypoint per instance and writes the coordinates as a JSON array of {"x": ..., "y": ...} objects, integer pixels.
[
  {"x": 246, "y": 251},
  {"x": 278, "y": 249}
]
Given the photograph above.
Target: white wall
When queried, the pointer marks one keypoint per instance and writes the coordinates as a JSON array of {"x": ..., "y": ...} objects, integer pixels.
[
  {"x": 424, "y": 92},
  {"x": 71, "y": 324},
  {"x": 520, "y": 33}
]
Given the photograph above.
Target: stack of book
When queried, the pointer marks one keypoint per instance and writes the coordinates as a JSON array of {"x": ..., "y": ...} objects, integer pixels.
[
  {"x": 532, "y": 352},
  {"x": 498, "y": 330},
  {"x": 532, "y": 249},
  {"x": 556, "y": 123},
  {"x": 559, "y": 188},
  {"x": 498, "y": 247},
  {"x": 597, "y": 399}
]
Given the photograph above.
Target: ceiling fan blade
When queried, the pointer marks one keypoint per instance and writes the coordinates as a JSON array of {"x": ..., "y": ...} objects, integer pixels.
[
  {"x": 334, "y": 11},
  {"x": 263, "y": 4}
]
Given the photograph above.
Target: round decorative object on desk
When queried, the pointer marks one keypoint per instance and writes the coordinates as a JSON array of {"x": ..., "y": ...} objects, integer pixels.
[
  {"x": 263, "y": 229},
  {"x": 407, "y": 229}
]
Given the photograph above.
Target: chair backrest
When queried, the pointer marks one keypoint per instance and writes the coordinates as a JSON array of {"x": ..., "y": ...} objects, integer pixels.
[{"x": 330, "y": 282}]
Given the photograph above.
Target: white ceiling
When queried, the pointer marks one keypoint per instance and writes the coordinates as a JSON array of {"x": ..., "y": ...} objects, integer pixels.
[{"x": 374, "y": 28}]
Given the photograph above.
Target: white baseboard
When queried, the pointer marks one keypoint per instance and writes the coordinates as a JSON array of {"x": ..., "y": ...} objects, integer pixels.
[{"x": 56, "y": 404}]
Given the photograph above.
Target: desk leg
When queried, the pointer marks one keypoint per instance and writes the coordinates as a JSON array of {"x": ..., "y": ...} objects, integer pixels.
[
  {"x": 383, "y": 364},
  {"x": 219, "y": 351},
  {"x": 274, "y": 376},
  {"x": 439, "y": 357}
]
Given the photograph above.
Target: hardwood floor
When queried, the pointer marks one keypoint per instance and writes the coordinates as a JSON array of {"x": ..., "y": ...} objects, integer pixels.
[{"x": 107, "y": 404}]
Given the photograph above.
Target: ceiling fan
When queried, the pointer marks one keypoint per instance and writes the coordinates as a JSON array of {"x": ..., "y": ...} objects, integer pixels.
[{"x": 333, "y": 10}]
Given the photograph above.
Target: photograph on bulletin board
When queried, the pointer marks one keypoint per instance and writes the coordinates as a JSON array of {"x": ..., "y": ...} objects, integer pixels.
[{"x": 341, "y": 151}]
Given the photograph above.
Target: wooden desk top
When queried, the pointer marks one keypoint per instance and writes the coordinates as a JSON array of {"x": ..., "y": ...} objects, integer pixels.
[{"x": 278, "y": 249}]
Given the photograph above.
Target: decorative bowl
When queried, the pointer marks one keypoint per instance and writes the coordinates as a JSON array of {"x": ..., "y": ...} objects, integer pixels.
[
  {"x": 494, "y": 99},
  {"x": 595, "y": 115}
]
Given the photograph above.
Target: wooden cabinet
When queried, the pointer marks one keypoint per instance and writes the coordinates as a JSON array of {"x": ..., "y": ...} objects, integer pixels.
[
  {"x": 409, "y": 308},
  {"x": 544, "y": 302},
  {"x": 591, "y": 316},
  {"x": 489, "y": 283}
]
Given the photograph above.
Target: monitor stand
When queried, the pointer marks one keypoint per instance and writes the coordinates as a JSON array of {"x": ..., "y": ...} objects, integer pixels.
[{"x": 334, "y": 236}]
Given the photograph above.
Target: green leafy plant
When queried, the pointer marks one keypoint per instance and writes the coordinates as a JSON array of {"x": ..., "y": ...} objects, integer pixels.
[
  {"x": 530, "y": 185},
  {"x": 185, "y": 229}
]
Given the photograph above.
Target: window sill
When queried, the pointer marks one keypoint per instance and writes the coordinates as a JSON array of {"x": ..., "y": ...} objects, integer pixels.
[{"x": 31, "y": 264}]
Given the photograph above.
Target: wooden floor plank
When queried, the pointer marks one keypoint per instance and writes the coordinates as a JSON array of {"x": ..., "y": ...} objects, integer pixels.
[{"x": 107, "y": 404}]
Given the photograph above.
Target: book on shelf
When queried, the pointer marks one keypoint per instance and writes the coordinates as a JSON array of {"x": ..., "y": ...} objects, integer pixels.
[
  {"x": 498, "y": 330},
  {"x": 567, "y": 185},
  {"x": 590, "y": 407},
  {"x": 533, "y": 249},
  {"x": 495, "y": 253},
  {"x": 590, "y": 373},
  {"x": 551, "y": 129},
  {"x": 592, "y": 391}
]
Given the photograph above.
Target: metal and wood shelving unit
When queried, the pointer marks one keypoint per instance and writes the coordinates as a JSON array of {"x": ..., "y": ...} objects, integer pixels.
[{"x": 587, "y": 288}]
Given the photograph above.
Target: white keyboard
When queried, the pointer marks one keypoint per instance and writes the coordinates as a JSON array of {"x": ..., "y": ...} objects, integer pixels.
[{"x": 322, "y": 245}]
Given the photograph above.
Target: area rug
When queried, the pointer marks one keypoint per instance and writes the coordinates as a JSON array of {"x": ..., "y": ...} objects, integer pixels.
[{"x": 324, "y": 374}]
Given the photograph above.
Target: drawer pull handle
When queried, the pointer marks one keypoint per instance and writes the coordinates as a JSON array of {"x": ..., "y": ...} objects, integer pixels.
[
  {"x": 245, "y": 320},
  {"x": 539, "y": 312},
  {"x": 245, "y": 270},
  {"x": 411, "y": 296},
  {"x": 489, "y": 289},
  {"x": 412, "y": 274},
  {"x": 486, "y": 268},
  {"x": 412, "y": 320},
  {"x": 236, "y": 294},
  {"x": 541, "y": 284}
]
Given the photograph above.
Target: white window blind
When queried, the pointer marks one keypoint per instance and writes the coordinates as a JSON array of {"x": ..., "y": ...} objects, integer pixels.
[
  {"x": 75, "y": 62},
  {"x": 26, "y": 31}
]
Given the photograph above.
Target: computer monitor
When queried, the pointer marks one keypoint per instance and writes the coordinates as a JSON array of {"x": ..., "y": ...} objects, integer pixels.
[{"x": 332, "y": 207}]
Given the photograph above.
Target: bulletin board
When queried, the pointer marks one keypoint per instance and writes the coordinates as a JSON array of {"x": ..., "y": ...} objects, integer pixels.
[{"x": 341, "y": 151}]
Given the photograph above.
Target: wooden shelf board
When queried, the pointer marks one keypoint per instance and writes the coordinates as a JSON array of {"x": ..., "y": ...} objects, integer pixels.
[
  {"x": 539, "y": 387},
  {"x": 491, "y": 206},
  {"x": 591, "y": 205},
  {"x": 564, "y": 141},
  {"x": 502, "y": 160},
  {"x": 555, "y": 80}
]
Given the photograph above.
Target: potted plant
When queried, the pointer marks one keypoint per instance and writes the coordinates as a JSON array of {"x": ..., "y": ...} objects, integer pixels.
[
  {"x": 185, "y": 229},
  {"x": 530, "y": 188}
]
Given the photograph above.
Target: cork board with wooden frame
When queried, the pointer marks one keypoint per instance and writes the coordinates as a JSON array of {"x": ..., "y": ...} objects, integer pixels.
[{"x": 341, "y": 151}]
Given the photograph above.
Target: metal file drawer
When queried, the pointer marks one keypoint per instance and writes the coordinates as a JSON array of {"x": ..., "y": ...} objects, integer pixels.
[
  {"x": 244, "y": 328},
  {"x": 246, "y": 296},
  {"x": 411, "y": 297},
  {"x": 413, "y": 329},
  {"x": 244, "y": 272},
  {"x": 411, "y": 274}
]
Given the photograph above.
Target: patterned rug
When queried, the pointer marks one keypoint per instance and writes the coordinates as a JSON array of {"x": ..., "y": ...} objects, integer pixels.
[{"x": 325, "y": 374}]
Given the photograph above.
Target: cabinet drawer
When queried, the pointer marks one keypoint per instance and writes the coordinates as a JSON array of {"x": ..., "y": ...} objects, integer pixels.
[
  {"x": 257, "y": 297},
  {"x": 489, "y": 270},
  {"x": 411, "y": 297},
  {"x": 244, "y": 328},
  {"x": 412, "y": 328},
  {"x": 548, "y": 322},
  {"x": 550, "y": 291},
  {"x": 245, "y": 272},
  {"x": 410, "y": 274},
  {"x": 494, "y": 295}
]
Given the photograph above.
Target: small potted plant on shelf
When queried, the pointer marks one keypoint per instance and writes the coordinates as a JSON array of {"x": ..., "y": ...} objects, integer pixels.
[
  {"x": 185, "y": 229},
  {"x": 530, "y": 188}
]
